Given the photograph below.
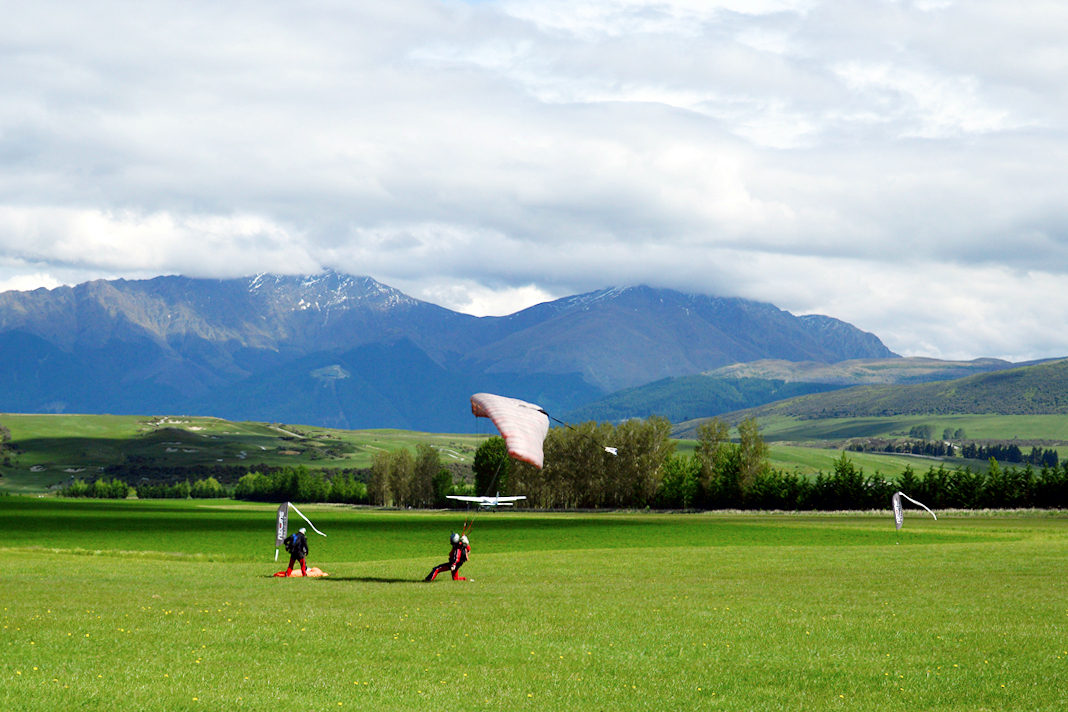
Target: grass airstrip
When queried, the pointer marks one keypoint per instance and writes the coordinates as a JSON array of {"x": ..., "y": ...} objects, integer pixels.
[{"x": 133, "y": 605}]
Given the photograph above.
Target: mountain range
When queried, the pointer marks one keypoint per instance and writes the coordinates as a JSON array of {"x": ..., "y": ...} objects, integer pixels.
[{"x": 345, "y": 351}]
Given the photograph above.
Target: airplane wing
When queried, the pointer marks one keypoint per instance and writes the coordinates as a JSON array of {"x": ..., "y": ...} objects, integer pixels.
[{"x": 488, "y": 501}]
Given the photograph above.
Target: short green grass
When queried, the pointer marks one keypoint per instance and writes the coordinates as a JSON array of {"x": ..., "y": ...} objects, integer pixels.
[{"x": 172, "y": 606}]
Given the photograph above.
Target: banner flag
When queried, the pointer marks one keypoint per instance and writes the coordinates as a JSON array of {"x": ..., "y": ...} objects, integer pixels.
[
  {"x": 283, "y": 523},
  {"x": 899, "y": 515},
  {"x": 306, "y": 519}
]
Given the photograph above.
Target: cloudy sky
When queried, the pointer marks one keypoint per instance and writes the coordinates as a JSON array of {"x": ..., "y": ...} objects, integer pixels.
[{"x": 899, "y": 165}]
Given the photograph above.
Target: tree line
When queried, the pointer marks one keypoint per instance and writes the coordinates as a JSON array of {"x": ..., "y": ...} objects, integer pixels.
[
  {"x": 1008, "y": 453},
  {"x": 632, "y": 465},
  {"x": 929, "y": 448},
  {"x": 100, "y": 489},
  {"x": 1011, "y": 453},
  {"x": 299, "y": 484},
  {"x": 200, "y": 489},
  {"x": 725, "y": 473}
]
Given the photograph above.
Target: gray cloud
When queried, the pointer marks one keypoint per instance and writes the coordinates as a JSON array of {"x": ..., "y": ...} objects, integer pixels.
[{"x": 899, "y": 165}]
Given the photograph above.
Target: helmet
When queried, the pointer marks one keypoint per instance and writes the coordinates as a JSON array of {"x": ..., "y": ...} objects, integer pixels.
[
  {"x": 464, "y": 540},
  {"x": 302, "y": 530},
  {"x": 455, "y": 538}
]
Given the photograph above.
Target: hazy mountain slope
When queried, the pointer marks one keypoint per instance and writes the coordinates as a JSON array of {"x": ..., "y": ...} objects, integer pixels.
[
  {"x": 622, "y": 338},
  {"x": 689, "y": 397},
  {"x": 395, "y": 385}
]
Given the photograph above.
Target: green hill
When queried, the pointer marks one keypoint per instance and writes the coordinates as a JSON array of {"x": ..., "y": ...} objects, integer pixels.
[
  {"x": 865, "y": 372},
  {"x": 41, "y": 452},
  {"x": 1030, "y": 390}
]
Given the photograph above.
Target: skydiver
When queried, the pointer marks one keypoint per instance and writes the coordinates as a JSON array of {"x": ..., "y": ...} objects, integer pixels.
[
  {"x": 461, "y": 548},
  {"x": 297, "y": 546}
]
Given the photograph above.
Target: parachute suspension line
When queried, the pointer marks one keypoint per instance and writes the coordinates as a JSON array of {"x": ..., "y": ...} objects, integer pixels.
[
  {"x": 566, "y": 425},
  {"x": 469, "y": 522},
  {"x": 500, "y": 463},
  {"x": 569, "y": 426}
]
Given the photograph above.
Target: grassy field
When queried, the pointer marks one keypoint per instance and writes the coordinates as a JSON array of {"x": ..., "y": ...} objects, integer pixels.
[
  {"x": 172, "y": 606},
  {"x": 810, "y": 460},
  {"x": 977, "y": 427},
  {"x": 55, "y": 448}
]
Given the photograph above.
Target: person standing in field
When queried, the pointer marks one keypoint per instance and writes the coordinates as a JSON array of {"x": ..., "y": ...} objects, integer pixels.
[
  {"x": 297, "y": 546},
  {"x": 461, "y": 549}
]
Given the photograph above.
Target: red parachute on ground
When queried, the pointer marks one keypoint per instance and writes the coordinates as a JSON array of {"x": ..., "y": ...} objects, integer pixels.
[{"x": 522, "y": 425}]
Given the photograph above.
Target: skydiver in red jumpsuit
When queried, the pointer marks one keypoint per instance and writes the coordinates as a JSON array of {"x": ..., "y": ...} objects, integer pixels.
[{"x": 461, "y": 548}]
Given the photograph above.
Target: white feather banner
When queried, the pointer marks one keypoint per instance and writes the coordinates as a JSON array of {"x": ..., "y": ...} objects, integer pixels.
[
  {"x": 283, "y": 525},
  {"x": 899, "y": 514},
  {"x": 308, "y": 520}
]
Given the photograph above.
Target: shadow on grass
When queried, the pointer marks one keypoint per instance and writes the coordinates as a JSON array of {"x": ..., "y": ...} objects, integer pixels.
[
  {"x": 361, "y": 579},
  {"x": 370, "y": 579}
]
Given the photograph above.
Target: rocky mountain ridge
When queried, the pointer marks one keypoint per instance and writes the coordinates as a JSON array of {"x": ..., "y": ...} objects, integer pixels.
[{"x": 341, "y": 350}]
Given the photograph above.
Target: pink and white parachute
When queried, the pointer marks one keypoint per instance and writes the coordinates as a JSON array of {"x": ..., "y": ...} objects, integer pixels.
[{"x": 522, "y": 425}]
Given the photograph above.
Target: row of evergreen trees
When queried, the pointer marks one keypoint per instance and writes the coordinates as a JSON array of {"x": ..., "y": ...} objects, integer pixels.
[
  {"x": 846, "y": 487},
  {"x": 1011, "y": 453},
  {"x": 1007, "y": 453}
]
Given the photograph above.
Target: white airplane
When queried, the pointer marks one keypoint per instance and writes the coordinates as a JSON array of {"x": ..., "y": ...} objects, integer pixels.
[{"x": 488, "y": 502}]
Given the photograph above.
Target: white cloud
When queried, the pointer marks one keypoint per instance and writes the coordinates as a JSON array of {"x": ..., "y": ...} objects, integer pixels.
[
  {"x": 899, "y": 165},
  {"x": 928, "y": 106},
  {"x": 480, "y": 300},
  {"x": 129, "y": 242},
  {"x": 28, "y": 282}
]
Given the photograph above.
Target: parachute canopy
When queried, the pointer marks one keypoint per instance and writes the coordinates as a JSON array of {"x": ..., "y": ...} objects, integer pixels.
[{"x": 523, "y": 425}]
